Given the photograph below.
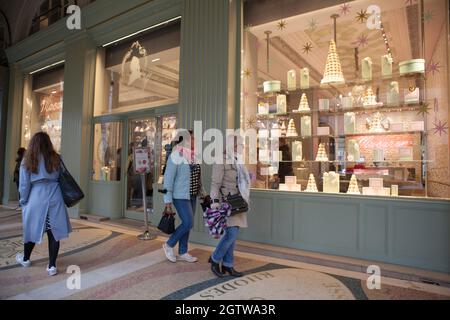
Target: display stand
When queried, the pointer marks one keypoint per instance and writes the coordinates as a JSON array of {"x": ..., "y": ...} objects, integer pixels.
[{"x": 142, "y": 166}]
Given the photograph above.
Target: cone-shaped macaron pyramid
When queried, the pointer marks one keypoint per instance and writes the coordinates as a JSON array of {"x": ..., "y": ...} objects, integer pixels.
[{"x": 333, "y": 70}]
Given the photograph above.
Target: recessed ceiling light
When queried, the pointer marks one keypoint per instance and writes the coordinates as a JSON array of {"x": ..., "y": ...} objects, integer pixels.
[{"x": 53, "y": 92}]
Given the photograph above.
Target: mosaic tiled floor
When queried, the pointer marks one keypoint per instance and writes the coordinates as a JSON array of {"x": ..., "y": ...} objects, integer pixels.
[{"x": 119, "y": 266}]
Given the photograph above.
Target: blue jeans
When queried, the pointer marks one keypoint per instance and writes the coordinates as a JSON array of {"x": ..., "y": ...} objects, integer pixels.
[
  {"x": 185, "y": 210},
  {"x": 225, "y": 249}
]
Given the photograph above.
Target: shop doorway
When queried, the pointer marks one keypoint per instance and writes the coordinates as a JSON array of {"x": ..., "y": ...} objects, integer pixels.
[{"x": 153, "y": 132}]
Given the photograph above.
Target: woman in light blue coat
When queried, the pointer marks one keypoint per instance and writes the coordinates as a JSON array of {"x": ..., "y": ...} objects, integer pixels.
[
  {"x": 182, "y": 182},
  {"x": 42, "y": 201}
]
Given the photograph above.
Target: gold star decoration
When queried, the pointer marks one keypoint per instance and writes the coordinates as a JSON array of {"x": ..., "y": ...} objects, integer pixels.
[
  {"x": 362, "y": 16},
  {"x": 307, "y": 48},
  {"x": 423, "y": 109},
  {"x": 247, "y": 73},
  {"x": 281, "y": 25},
  {"x": 251, "y": 123}
]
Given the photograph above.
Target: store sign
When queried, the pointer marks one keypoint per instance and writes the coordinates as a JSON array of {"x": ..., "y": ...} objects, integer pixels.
[
  {"x": 49, "y": 105},
  {"x": 141, "y": 160}
]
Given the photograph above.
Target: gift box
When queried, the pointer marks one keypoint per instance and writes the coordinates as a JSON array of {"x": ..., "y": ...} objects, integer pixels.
[
  {"x": 324, "y": 104},
  {"x": 323, "y": 131},
  {"x": 376, "y": 182},
  {"x": 272, "y": 86}
]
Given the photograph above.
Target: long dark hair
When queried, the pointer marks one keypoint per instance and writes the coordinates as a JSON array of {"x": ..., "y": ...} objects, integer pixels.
[
  {"x": 41, "y": 144},
  {"x": 20, "y": 154}
]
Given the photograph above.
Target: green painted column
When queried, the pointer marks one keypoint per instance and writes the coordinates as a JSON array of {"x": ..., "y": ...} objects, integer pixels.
[
  {"x": 207, "y": 71},
  {"x": 13, "y": 132},
  {"x": 79, "y": 71}
]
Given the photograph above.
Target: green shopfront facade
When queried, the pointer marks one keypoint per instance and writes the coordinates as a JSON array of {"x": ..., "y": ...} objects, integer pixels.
[{"x": 411, "y": 231}]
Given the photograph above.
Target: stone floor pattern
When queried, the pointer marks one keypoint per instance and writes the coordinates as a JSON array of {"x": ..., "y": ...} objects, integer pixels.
[{"x": 116, "y": 265}]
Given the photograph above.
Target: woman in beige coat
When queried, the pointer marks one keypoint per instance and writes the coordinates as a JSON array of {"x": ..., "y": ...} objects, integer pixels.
[{"x": 229, "y": 178}]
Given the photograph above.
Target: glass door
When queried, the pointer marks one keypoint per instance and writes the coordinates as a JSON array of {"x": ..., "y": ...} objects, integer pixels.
[
  {"x": 155, "y": 133},
  {"x": 142, "y": 133}
]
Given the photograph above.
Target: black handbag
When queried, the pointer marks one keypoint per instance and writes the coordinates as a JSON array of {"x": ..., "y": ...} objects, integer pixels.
[
  {"x": 206, "y": 203},
  {"x": 237, "y": 204},
  {"x": 167, "y": 222},
  {"x": 71, "y": 191}
]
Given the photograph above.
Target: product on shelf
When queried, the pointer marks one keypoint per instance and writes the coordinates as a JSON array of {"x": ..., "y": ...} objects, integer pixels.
[
  {"x": 311, "y": 186},
  {"x": 353, "y": 186},
  {"x": 333, "y": 71},
  {"x": 305, "y": 126},
  {"x": 412, "y": 66},
  {"x": 277, "y": 156},
  {"x": 264, "y": 155},
  {"x": 405, "y": 153},
  {"x": 273, "y": 170},
  {"x": 323, "y": 131},
  {"x": 304, "y": 78},
  {"x": 386, "y": 65},
  {"x": 263, "y": 108},
  {"x": 321, "y": 153},
  {"x": 275, "y": 132},
  {"x": 281, "y": 103},
  {"x": 331, "y": 182},
  {"x": 347, "y": 102},
  {"x": 291, "y": 80},
  {"x": 367, "y": 69},
  {"x": 290, "y": 184},
  {"x": 106, "y": 173},
  {"x": 291, "y": 130},
  {"x": 378, "y": 155},
  {"x": 324, "y": 104},
  {"x": 303, "y": 106},
  {"x": 412, "y": 95},
  {"x": 393, "y": 94},
  {"x": 378, "y": 123},
  {"x": 297, "y": 151},
  {"x": 358, "y": 93},
  {"x": 394, "y": 190},
  {"x": 370, "y": 99},
  {"x": 353, "y": 150},
  {"x": 396, "y": 126},
  {"x": 272, "y": 86},
  {"x": 283, "y": 129},
  {"x": 263, "y": 133},
  {"x": 349, "y": 122},
  {"x": 376, "y": 188},
  {"x": 416, "y": 125}
]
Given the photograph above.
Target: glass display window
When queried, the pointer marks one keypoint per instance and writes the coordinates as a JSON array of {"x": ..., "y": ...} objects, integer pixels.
[
  {"x": 43, "y": 105},
  {"x": 356, "y": 92},
  {"x": 139, "y": 72},
  {"x": 107, "y": 163}
]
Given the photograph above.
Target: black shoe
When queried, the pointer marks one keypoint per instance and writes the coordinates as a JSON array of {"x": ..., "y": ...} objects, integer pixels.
[
  {"x": 232, "y": 272},
  {"x": 215, "y": 268}
]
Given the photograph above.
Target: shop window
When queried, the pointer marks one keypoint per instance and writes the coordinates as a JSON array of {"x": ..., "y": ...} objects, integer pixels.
[
  {"x": 106, "y": 164},
  {"x": 139, "y": 72},
  {"x": 42, "y": 105},
  {"x": 357, "y": 93}
]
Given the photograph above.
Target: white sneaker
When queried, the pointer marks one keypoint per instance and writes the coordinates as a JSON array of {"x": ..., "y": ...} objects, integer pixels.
[
  {"x": 169, "y": 253},
  {"x": 19, "y": 259},
  {"x": 52, "y": 271},
  {"x": 187, "y": 257}
]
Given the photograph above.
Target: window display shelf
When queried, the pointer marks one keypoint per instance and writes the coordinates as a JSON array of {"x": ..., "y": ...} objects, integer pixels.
[
  {"x": 364, "y": 110},
  {"x": 357, "y": 162},
  {"x": 348, "y": 84}
]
